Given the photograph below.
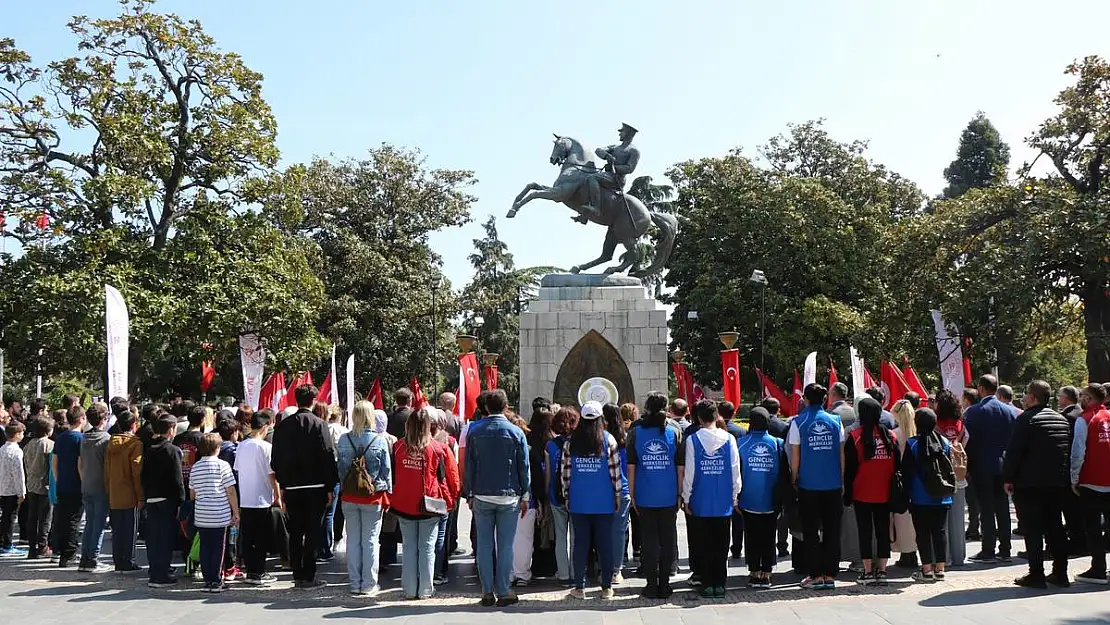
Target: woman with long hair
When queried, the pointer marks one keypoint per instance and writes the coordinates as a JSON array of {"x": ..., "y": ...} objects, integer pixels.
[
  {"x": 441, "y": 436},
  {"x": 524, "y": 537},
  {"x": 563, "y": 423},
  {"x": 929, "y": 511},
  {"x": 426, "y": 487},
  {"x": 630, "y": 414},
  {"x": 950, "y": 423},
  {"x": 539, "y": 433},
  {"x": 903, "y": 538},
  {"x": 614, "y": 425},
  {"x": 363, "y": 503},
  {"x": 590, "y": 469},
  {"x": 870, "y": 460}
]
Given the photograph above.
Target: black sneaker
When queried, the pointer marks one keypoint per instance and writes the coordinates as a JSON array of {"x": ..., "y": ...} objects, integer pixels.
[
  {"x": 167, "y": 583},
  {"x": 665, "y": 590},
  {"x": 508, "y": 600},
  {"x": 1032, "y": 581},
  {"x": 784, "y": 552},
  {"x": 984, "y": 557},
  {"x": 1091, "y": 576},
  {"x": 651, "y": 591},
  {"x": 313, "y": 585},
  {"x": 1059, "y": 580},
  {"x": 971, "y": 536},
  {"x": 488, "y": 601},
  {"x": 1005, "y": 558}
]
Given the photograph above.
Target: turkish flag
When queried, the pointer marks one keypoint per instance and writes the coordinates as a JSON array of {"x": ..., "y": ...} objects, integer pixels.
[
  {"x": 273, "y": 390},
  {"x": 289, "y": 400},
  {"x": 868, "y": 379},
  {"x": 913, "y": 381},
  {"x": 418, "y": 399},
  {"x": 770, "y": 389},
  {"x": 730, "y": 375},
  {"x": 470, "y": 385},
  {"x": 324, "y": 394},
  {"x": 832, "y": 380},
  {"x": 894, "y": 385},
  {"x": 683, "y": 381},
  {"x": 207, "y": 374},
  {"x": 696, "y": 393},
  {"x": 491, "y": 377},
  {"x": 967, "y": 362},
  {"x": 799, "y": 392},
  {"x": 375, "y": 395}
]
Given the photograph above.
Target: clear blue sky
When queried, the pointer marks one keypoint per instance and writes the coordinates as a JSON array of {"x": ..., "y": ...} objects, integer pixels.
[{"x": 482, "y": 85}]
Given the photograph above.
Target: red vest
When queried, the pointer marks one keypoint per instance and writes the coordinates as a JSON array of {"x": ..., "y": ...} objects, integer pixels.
[
  {"x": 1096, "y": 464},
  {"x": 952, "y": 429},
  {"x": 872, "y": 481},
  {"x": 415, "y": 477}
]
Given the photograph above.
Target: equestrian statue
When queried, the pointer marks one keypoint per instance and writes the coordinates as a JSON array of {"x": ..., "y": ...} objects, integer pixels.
[{"x": 597, "y": 195}]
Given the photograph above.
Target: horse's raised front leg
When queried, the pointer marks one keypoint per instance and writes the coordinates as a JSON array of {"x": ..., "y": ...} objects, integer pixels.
[
  {"x": 518, "y": 202},
  {"x": 607, "y": 250}
]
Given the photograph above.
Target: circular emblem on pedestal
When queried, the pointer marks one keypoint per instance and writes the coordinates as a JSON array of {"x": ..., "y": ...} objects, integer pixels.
[{"x": 599, "y": 390}]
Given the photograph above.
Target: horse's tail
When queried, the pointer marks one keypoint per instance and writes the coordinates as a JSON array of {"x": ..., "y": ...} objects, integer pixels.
[{"x": 668, "y": 230}]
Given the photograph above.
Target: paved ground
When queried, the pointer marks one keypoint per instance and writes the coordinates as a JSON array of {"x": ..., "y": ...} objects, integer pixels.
[{"x": 33, "y": 592}]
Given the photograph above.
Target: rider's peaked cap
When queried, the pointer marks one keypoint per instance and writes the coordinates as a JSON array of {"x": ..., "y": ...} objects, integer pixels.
[{"x": 625, "y": 126}]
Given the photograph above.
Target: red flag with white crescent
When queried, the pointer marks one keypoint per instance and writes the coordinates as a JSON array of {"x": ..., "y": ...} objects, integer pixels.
[
  {"x": 893, "y": 384},
  {"x": 913, "y": 380},
  {"x": 491, "y": 377},
  {"x": 470, "y": 384},
  {"x": 207, "y": 375},
  {"x": 787, "y": 407},
  {"x": 730, "y": 375},
  {"x": 418, "y": 398},
  {"x": 375, "y": 395}
]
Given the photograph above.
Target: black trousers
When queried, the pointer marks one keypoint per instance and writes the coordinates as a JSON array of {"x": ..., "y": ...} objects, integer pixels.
[
  {"x": 783, "y": 531},
  {"x": 67, "y": 517},
  {"x": 737, "y": 533},
  {"x": 1095, "y": 506},
  {"x": 163, "y": 529},
  {"x": 994, "y": 511},
  {"x": 659, "y": 542},
  {"x": 931, "y": 525},
  {"x": 711, "y": 546},
  {"x": 1041, "y": 512},
  {"x": 759, "y": 534},
  {"x": 691, "y": 542},
  {"x": 39, "y": 511},
  {"x": 1074, "y": 525},
  {"x": 873, "y": 518},
  {"x": 9, "y": 509},
  {"x": 256, "y": 528},
  {"x": 306, "y": 509},
  {"x": 635, "y": 538},
  {"x": 821, "y": 512}
]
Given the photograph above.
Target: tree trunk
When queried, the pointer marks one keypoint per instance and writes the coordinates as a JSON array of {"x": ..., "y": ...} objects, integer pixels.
[{"x": 1096, "y": 325}]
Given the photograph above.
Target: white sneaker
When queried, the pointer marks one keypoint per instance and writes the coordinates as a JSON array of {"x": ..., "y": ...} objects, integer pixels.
[{"x": 606, "y": 593}]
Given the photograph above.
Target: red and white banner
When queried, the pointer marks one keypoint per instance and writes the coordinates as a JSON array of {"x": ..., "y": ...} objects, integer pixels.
[
  {"x": 893, "y": 384},
  {"x": 289, "y": 399},
  {"x": 470, "y": 385},
  {"x": 491, "y": 377},
  {"x": 253, "y": 357},
  {"x": 350, "y": 379},
  {"x": 730, "y": 375},
  {"x": 273, "y": 390},
  {"x": 117, "y": 325},
  {"x": 954, "y": 375}
]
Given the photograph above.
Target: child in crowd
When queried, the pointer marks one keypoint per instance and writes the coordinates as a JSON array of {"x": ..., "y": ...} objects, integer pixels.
[
  {"x": 36, "y": 465},
  {"x": 13, "y": 486},
  {"x": 164, "y": 490},
  {"x": 215, "y": 508}
]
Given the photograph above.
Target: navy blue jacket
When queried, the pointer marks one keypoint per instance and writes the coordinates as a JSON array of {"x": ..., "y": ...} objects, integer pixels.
[{"x": 989, "y": 424}]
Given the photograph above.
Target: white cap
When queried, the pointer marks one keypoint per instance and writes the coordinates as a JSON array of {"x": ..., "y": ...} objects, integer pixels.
[{"x": 591, "y": 410}]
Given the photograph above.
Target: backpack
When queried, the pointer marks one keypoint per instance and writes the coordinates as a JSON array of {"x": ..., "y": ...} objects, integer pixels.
[
  {"x": 357, "y": 482},
  {"x": 937, "y": 473}
]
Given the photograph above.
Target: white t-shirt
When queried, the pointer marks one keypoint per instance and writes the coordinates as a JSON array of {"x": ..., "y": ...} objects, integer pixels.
[
  {"x": 337, "y": 431},
  {"x": 252, "y": 461},
  {"x": 210, "y": 478},
  {"x": 462, "y": 435}
]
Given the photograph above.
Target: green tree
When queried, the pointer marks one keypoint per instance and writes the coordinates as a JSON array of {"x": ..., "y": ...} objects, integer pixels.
[
  {"x": 657, "y": 198},
  {"x": 981, "y": 159},
  {"x": 364, "y": 226},
  {"x": 813, "y": 219},
  {"x": 494, "y": 296},
  {"x": 138, "y": 151}
]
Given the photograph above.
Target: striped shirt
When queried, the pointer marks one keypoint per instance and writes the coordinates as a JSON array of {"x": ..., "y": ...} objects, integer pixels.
[{"x": 209, "y": 480}]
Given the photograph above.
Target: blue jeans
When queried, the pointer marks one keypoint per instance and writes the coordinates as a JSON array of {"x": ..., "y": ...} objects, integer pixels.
[
  {"x": 212, "y": 554},
  {"x": 364, "y": 524},
  {"x": 594, "y": 530},
  {"x": 441, "y": 548},
  {"x": 496, "y": 525},
  {"x": 96, "y": 519},
  {"x": 620, "y": 532},
  {"x": 327, "y": 536},
  {"x": 162, "y": 529},
  {"x": 123, "y": 538},
  {"x": 418, "y": 555}
]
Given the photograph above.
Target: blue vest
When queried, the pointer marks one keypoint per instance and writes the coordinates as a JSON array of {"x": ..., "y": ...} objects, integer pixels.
[
  {"x": 711, "y": 495},
  {"x": 555, "y": 452},
  {"x": 760, "y": 464},
  {"x": 820, "y": 450},
  {"x": 656, "y": 475},
  {"x": 591, "y": 490}
]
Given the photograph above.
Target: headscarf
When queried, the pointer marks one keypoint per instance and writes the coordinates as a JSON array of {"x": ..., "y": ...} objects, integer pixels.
[
  {"x": 929, "y": 440},
  {"x": 758, "y": 419},
  {"x": 381, "y": 421},
  {"x": 869, "y": 412}
]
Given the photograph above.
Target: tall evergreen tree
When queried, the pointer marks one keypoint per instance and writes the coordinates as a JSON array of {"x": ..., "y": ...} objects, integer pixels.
[{"x": 981, "y": 159}]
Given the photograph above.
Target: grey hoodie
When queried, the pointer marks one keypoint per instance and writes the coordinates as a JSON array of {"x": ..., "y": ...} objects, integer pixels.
[{"x": 93, "y": 446}]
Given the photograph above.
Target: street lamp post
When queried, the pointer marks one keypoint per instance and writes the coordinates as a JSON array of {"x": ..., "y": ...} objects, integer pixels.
[
  {"x": 434, "y": 283},
  {"x": 758, "y": 277}
]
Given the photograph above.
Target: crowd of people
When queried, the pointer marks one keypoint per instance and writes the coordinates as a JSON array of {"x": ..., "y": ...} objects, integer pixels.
[{"x": 565, "y": 493}]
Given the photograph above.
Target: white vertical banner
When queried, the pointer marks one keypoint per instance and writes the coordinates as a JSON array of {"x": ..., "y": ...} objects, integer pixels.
[
  {"x": 117, "y": 326},
  {"x": 951, "y": 355},
  {"x": 809, "y": 371},
  {"x": 859, "y": 388},
  {"x": 350, "y": 385},
  {"x": 253, "y": 357},
  {"x": 334, "y": 399}
]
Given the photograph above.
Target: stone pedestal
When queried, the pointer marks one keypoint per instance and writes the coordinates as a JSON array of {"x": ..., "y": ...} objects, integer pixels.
[{"x": 584, "y": 326}]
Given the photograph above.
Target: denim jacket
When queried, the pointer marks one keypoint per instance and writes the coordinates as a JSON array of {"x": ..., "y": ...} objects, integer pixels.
[
  {"x": 377, "y": 457},
  {"x": 496, "y": 459}
]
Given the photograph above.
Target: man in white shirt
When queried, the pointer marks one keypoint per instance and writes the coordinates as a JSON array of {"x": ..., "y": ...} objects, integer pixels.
[{"x": 258, "y": 492}]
